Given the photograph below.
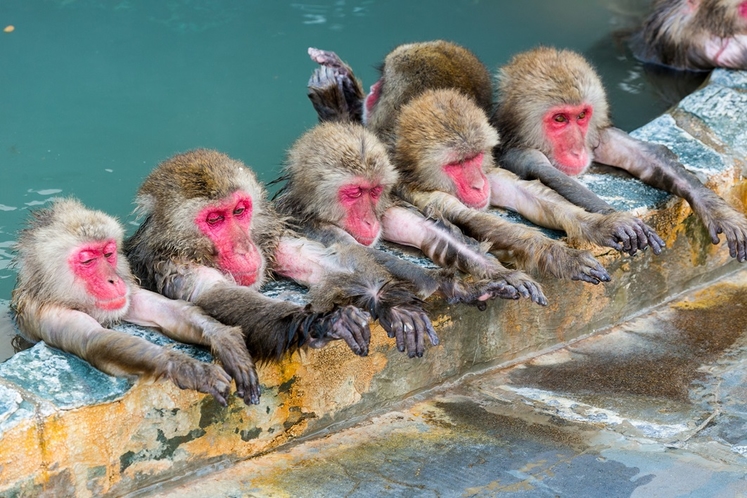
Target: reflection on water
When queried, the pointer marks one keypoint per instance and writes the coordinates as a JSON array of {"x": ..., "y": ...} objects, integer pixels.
[{"x": 95, "y": 93}]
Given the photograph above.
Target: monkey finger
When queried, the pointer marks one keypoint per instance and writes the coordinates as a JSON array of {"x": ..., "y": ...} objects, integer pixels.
[
  {"x": 410, "y": 330},
  {"x": 537, "y": 295},
  {"x": 431, "y": 332},
  {"x": 399, "y": 334},
  {"x": 325, "y": 58},
  {"x": 654, "y": 241}
]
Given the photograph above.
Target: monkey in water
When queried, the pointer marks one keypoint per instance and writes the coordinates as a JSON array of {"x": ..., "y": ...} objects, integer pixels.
[
  {"x": 442, "y": 143},
  {"x": 73, "y": 282},
  {"x": 552, "y": 114},
  {"x": 695, "y": 35},
  {"x": 211, "y": 237},
  {"x": 338, "y": 189}
]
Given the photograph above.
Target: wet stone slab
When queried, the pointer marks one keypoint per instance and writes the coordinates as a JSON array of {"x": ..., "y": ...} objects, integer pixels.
[
  {"x": 722, "y": 110},
  {"x": 655, "y": 407}
]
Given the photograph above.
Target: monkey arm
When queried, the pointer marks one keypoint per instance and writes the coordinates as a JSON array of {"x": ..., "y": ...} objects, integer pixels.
[
  {"x": 545, "y": 207},
  {"x": 448, "y": 247},
  {"x": 528, "y": 246},
  {"x": 657, "y": 166},
  {"x": 346, "y": 273},
  {"x": 186, "y": 322},
  {"x": 531, "y": 164},
  {"x": 118, "y": 353},
  {"x": 334, "y": 91}
]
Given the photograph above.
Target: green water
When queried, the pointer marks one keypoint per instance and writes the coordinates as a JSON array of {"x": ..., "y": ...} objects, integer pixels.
[{"x": 93, "y": 94}]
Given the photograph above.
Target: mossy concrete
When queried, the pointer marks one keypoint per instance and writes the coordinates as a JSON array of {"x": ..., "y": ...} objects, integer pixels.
[{"x": 66, "y": 429}]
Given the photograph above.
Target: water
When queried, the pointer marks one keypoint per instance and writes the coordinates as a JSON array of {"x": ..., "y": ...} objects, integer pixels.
[{"x": 94, "y": 93}]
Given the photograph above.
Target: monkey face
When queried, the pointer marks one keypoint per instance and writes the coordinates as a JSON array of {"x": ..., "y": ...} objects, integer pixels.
[
  {"x": 94, "y": 264},
  {"x": 227, "y": 224},
  {"x": 565, "y": 128},
  {"x": 470, "y": 184},
  {"x": 359, "y": 202}
]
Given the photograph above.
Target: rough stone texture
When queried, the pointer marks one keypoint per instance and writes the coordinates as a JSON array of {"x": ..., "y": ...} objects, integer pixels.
[{"x": 78, "y": 432}]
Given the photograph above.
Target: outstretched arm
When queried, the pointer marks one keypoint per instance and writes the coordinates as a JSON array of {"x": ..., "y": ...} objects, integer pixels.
[
  {"x": 545, "y": 207},
  {"x": 531, "y": 164},
  {"x": 186, "y": 322},
  {"x": 448, "y": 247},
  {"x": 657, "y": 166},
  {"x": 531, "y": 249},
  {"x": 118, "y": 353},
  {"x": 346, "y": 273}
]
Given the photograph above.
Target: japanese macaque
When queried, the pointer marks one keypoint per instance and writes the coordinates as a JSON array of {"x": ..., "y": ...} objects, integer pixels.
[
  {"x": 73, "y": 282},
  {"x": 552, "y": 114},
  {"x": 696, "y": 35},
  {"x": 338, "y": 190},
  {"x": 442, "y": 144},
  {"x": 210, "y": 237}
]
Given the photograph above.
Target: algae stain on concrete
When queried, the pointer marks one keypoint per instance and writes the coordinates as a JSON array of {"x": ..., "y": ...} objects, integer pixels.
[{"x": 665, "y": 358}]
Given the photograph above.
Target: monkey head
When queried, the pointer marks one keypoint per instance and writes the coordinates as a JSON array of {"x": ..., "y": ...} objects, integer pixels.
[
  {"x": 207, "y": 208},
  {"x": 554, "y": 101},
  {"x": 412, "y": 68},
  {"x": 340, "y": 173},
  {"x": 69, "y": 255},
  {"x": 444, "y": 142}
]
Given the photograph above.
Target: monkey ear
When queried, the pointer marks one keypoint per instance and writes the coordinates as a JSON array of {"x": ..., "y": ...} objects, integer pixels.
[{"x": 144, "y": 205}]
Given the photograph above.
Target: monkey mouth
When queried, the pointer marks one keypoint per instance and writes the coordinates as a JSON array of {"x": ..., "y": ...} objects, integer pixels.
[{"x": 112, "y": 304}]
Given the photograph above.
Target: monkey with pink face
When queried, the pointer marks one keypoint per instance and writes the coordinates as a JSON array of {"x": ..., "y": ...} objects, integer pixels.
[
  {"x": 73, "y": 282},
  {"x": 430, "y": 108},
  {"x": 338, "y": 190},
  {"x": 552, "y": 114},
  {"x": 211, "y": 237}
]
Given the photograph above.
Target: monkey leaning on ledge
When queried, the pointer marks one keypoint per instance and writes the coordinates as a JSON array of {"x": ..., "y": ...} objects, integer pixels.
[
  {"x": 552, "y": 114},
  {"x": 211, "y": 237},
  {"x": 73, "y": 282},
  {"x": 430, "y": 107},
  {"x": 338, "y": 189}
]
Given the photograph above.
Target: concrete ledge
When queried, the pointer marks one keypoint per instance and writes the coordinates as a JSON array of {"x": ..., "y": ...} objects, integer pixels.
[{"x": 68, "y": 430}]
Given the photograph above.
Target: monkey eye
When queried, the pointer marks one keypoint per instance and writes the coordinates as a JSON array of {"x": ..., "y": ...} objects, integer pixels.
[
  {"x": 88, "y": 262},
  {"x": 239, "y": 210},
  {"x": 214, "y": 218},
  {"x": 582, "y": 115},
  {"x": 355, "y": 193},
  {"x": 559, "y": 118},
  {"x": 376, "y": 191},
  {"x": 108, "y": 255}
]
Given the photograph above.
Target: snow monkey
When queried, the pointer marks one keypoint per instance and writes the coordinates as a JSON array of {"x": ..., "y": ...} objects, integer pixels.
[
  {"x": 552, "y": 114},
  {"x": 210, "y": 236},
  {"x": 74, "y": 282},
  {"x": 442, "y": 144},
  {"x": 338, "y": 190},
  {"x": 694, "y": 35}
]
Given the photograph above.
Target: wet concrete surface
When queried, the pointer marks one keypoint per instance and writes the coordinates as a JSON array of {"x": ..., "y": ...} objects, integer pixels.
[{"x": 655, "y": 407}]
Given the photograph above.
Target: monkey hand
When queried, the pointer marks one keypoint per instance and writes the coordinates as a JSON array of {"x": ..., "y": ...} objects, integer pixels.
[
  {"x": 562, "y": 261},
  {"x": 408, "y": 324},
  {"x": 722, "y": 218},
  {"x": 188, "y": 373},
  {"x": 625, "y": 233},
  {"x": 229, "y": 347},
  {"x": 510, "y": 285},
  {"x": 329, "y": 59},
  {"x": 347, "y": 323}
]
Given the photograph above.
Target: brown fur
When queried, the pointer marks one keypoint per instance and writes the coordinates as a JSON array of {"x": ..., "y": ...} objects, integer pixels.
[
  {"x": 412, "y": 68},
  {"x": 676, "y": 31},
  {"x": 53, "y": 305},
  {"x": 174, "y": 193},
  {"x": 41, "y": 253},
  {"x": 436, "y": 128},
  {"x": 327, "y": 157},
  {"x": 533, "y": 82}
]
